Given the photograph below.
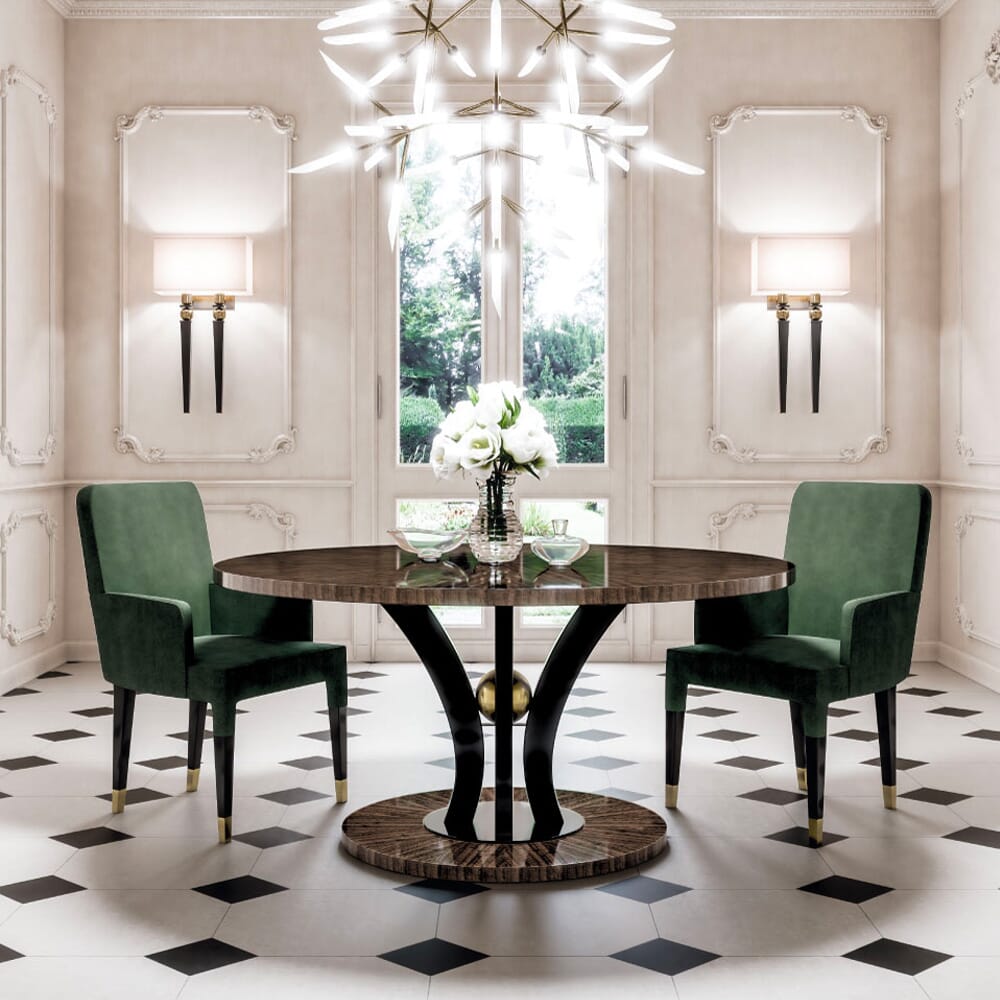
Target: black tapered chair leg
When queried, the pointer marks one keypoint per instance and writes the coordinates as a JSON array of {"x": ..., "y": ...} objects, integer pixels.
[
  {"x": 885, "y": 712},
  {"x": 124, "y": 710},
  {"x": 224, "y": 752},
  {"x": 798, "y": 744},
  {"x": 815, "y": 780},
  {"x": 338, "y": 742},
  {"x": 675, "y": 738},
  {"x": 196, "y": 740}
]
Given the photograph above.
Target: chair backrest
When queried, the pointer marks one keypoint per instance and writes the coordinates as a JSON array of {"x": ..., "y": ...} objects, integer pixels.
[
  {"x": 147, "y": 538},
  {"x": 851, "y": 540}
]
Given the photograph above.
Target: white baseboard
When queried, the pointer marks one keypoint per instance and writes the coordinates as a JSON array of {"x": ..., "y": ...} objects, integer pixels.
[
  {"x": 16, "y": 674},
  {"x": 926, "y": 652},
  {"x": 84, "y": 650},
  {"x": 969, "y": 666}
]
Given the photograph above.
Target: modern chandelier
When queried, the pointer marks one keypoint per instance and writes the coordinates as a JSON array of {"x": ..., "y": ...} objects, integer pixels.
[{"x": 421, "y": 49}]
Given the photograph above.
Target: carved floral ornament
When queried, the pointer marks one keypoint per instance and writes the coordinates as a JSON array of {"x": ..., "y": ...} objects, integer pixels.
[
  {"x": 993, "y": 58},
  {"x": 14, "y": 634}
]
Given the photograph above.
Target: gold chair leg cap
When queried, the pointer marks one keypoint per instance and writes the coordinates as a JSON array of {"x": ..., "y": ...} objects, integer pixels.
[
  {"x": 340, "y": 784},
  {"x": 815, "y": 832},
  {"x": 118, "y": 799},
  {"x": 800, "y": 774},
  {"x": 194, "y": 773},
  {"x": 889, "y": 796},
  {"x": 670, "y": 797},
  {"x": 225, "y": 829}
]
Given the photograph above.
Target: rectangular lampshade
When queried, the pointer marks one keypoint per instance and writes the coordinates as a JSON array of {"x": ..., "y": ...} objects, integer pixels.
[
  {"x": 800, "y": 265},
  {"x": 202, "y": 265}
]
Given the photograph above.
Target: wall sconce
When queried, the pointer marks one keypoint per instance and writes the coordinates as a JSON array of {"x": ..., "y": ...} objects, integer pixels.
[
  {"x": 795, "y": 272},
  {"x": 207, "y": 272}
]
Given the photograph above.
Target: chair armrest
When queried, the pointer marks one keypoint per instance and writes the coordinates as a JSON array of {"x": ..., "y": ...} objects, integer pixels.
[
  {"x": 876, "y": 639},
  {"x": 730, "y": 621},
  {"x": 146, "y": 643},
  {"x": 235, "y": 612}
]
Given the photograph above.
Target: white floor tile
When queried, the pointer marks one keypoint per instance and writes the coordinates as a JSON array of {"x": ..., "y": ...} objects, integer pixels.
[{"x": 92, "y": 978}]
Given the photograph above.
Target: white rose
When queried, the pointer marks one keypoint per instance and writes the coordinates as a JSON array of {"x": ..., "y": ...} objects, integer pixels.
[
  {"x": 479, "y": 447},
  {"x": 521, "y": 443},
  {"x": 492, "y": 406},
  {"x": 548, "y": 455},
  {"x": 531, "y": 418},
  {"x": 445, "y": 456},
  {"x": 461, "y": 418}
]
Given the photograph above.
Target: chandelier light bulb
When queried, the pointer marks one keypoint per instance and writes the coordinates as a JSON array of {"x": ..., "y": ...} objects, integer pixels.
[
  {"x": 572, "y": 84},
  {"x": 640, "y": 83},
  {"x": 365, "y": 131},
  {"x": 420, "y": 78},
  {"x": 617, "y": 159},
  {"x": 378, "y": 36},
  {"x": 356, "y": 87},
  {"x": 366, "y": 12},
  {"x": 345, "y": 154},
  {"x": 609, "y": 74},
  {"x": 620, "y": 130},
  {"x": 652, "y": 155},
  {"x": 392, "y": 66},
  {"x": 460, "y": 61},
  {"x": 635, "y": 37},
  {"x": 376, "y": 157},
  {"x": 532, "y": 61},
  {"x": 637, "y": 15}
]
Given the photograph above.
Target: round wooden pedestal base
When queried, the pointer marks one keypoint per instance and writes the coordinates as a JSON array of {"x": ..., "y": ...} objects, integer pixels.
[{"x": 616, "y": 835}]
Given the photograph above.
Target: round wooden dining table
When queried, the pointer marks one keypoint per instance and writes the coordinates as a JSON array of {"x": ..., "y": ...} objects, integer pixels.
[{"x": 504, "y": 834}]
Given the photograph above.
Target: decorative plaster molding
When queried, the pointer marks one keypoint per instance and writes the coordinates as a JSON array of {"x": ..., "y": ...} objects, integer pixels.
[
  {"x": 963, "y": 524},
  {"x": 127, "y": 442},
  {"x": 11, "y": 77},
  {"x": 990, "y": 71},
  {"x": 721, "y": 443},
  {"x": 8, "y": 630},
  {"x": 283, "y": 521},
  {"x": 721, "y": 520},
  {"x": 672, "y": 8}
]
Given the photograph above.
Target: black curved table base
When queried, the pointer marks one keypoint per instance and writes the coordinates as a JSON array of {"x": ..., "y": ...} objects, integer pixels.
[{"x": 546, "y": 818}]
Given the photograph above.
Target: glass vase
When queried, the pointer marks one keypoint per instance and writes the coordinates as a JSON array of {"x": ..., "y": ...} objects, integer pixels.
[{"x": 496, "y": 535}]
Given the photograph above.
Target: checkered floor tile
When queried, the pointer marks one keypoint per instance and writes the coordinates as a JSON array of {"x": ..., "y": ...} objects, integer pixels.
[{"x": 149, "y": 901}]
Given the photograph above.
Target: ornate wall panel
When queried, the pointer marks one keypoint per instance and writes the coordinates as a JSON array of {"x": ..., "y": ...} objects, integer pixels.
[{"x": 24, "y": 536}]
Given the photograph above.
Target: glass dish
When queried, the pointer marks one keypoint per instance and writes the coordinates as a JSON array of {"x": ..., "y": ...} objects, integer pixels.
[
  {"x": 559, "y": 549},
  {"x": 428, "y": 544}
]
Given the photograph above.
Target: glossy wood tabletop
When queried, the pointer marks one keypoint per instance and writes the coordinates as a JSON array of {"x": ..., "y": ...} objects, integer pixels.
[{"x": 607, "y": 574}]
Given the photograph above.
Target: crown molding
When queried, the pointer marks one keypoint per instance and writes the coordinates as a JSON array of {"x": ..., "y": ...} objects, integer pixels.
[{"x": 108, "y": 9}]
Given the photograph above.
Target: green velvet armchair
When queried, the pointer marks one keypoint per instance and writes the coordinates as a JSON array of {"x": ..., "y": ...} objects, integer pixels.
[
  {"x": 844, "y": 628},
  {"x": 163, "y": 627}
]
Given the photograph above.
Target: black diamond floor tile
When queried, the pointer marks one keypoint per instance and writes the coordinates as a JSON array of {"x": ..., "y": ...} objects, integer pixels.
[
  {"x": 53, "y": 673},
  {"x": 585, "y": 692},
  {"x": 587, "y": 673},
  {"x": 350, "y": 710},
  {"x": 902, "y": 763},
  {"x": 200, "y": 956},
  {"x": 163, "y": 763},
  {"x": 440, "y": 891},
  {"x": 603, "y": 763},
  {"x": 861, "y": 735},
  {"x": 697, "y": 692},
  {"x": 936, "y": 795},
  {"x": 588, "y": 712},
  {"x": 644, "y": 889},
  {"x": 184, "y": 735},
  {"x": 711, "y": 713},
  {"x": 136, "y": 796},
  {"x": 308, "y": 763},
  {"x": 208, "y": 711},
  {"x": 622, "y": 793},
  {"x": 7, "y": 954},
  {"x": 800, "y": 835},
  {"x": 92, "y": 837},
  {"x": 22, "y": 763},
  {"x": 93, "y": 713},
  {"x": 984, "y": 734},
  {"x": 14, "y": 692},
  {"x": 668, "y": 957},
  {"x": 366, "y": 675},
  {"x": 850, "y": 890},
  {"x": 446, "y": 762},
  {"x": 595, "y": 735},
  {"x": 898, "y": 956},
  {"x": 433, "y": 956},
  {"x": 238, "y": 890},
  {"x": 293, "y": 796},
  {"x": 359, "y": 692},
  {"x": 958, "y": 713},
  {"x": 61, "y": 735},
  {"x": 840, "y": 713},
  {"x": 728, "y": 735},
  {"x": 474, "y": 675},
  {"x": 773, "y": 796},
  {"x": 271, "y": 836},
  {"x": 35, "y": 889},
  {"x": 921, "y": 692},
  {"x": 976, "y": 835},
  {"x": 749, "y": 763}
]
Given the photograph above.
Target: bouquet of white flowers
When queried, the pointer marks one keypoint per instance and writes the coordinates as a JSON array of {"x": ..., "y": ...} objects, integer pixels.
[{"x": 494, "y": 430}]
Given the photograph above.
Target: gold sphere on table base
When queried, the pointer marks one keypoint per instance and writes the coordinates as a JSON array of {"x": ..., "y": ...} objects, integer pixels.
[{"x": 486, "y": 695}]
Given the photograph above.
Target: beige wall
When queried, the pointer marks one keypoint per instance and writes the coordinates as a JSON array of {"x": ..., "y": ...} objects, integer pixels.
[
  {"x": 883, "y": 65},
  {"x": 971, "y": 489},
  {"x": 32, "y": 39}
]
